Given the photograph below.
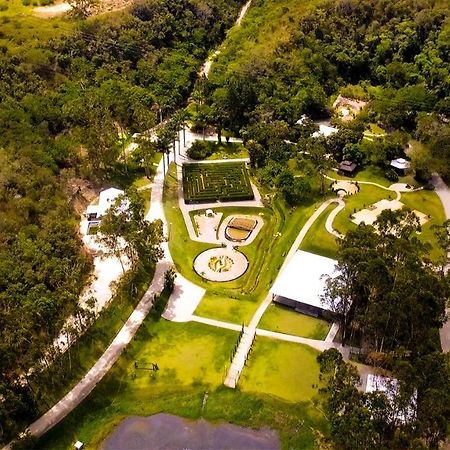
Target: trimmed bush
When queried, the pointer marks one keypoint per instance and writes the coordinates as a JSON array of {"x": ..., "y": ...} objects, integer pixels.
[
  {"x": 201, "y": 150},
  {"x": 210, "y": 182}
]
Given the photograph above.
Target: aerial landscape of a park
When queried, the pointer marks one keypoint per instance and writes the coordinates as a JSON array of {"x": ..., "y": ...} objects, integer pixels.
[{"x": 224, "y": 224}]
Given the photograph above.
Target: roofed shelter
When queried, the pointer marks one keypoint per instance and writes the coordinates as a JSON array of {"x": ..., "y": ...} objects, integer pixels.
[
  {"x": 107, "y": 198},
  {"x": 401, "y": 165},
  {"x": 301, "y": 283},
  {"x": 348, "y": 168}
]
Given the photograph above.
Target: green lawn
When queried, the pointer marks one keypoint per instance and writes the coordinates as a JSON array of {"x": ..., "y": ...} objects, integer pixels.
[
  {"x": 285, "y": 320},
  {"x": 373, "y": 174},
  {"x": 283, "y": 369},
  {"x": 376, "y": 129},
  {"x": 365, "y": 197},
  {"x": 428, "y": 203},
  {"x": 318, "y": 240},
  {"x": 229, "y": 151},
  {"x": 192, "y": 359},
  {"x": 228, "y": 309}
]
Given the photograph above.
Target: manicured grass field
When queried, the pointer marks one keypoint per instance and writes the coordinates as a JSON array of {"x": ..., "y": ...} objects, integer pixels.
[
  {"x": 228, "y": 309},
  {"x": 210, "y": 182},
  {"x": 284, "y": 369},
  {"x": 318, "y": 240},
  {"x": 284, "y": 320},
  {"x": 229, "y": 151}
]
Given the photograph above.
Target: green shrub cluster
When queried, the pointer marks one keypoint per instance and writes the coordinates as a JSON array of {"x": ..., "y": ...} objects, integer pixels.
[
  {"x": 212, "y": 182},
  {"x": 201, "y": 150}
]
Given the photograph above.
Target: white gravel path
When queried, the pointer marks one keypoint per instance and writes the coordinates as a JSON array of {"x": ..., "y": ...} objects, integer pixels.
[{"x": 443, "y": 191}]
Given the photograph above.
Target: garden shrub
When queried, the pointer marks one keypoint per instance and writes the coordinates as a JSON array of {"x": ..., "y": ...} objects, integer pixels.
[
  {"x": 391, "y": 175},
  {"x": 201, "y": 150}
]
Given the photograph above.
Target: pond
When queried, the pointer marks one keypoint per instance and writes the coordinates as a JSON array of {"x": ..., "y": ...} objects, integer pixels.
[{"x": 168, "y": 432}]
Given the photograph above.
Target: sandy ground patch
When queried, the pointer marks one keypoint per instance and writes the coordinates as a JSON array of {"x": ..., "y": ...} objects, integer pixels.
[
  {"x": 370, "y": 215},
  {"x": 207, "y": 226},
  {"x": 349, "y": 187},
  {"x": 58, "y": 9},
  {"x": 233, "y": 263}
]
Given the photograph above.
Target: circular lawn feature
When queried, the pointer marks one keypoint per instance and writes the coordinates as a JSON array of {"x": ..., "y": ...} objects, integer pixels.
[{"x": 221, "y": 264}]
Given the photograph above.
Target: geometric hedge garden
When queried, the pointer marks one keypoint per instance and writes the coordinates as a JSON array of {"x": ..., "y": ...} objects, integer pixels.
[{"x": 210, "y": 182}]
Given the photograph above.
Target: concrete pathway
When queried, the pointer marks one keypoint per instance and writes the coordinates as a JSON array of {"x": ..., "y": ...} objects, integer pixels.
[
  {"x": 398, "y": 188},
  {"x": 314, "y": 343},
  {"x": 443, "y": 191},
  {"x": 332, "y": 216},
  {"x": 246, "y": 341}
]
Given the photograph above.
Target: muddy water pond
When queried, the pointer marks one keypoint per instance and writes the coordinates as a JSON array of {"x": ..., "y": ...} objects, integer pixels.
[{"x": 168, "y": 432}]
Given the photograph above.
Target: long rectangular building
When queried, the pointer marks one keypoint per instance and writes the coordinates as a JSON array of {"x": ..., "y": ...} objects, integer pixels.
[{"x": 301, "y": 283}]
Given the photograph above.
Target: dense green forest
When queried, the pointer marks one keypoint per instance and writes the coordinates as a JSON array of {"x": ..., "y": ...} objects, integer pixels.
[{"x": 63, "y": 103}]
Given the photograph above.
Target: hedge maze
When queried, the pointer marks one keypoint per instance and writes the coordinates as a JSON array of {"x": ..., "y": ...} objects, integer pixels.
[{"x": 210, "y": 182}]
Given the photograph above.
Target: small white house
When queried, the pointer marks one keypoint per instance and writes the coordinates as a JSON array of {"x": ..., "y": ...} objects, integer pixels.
[
  {"x": 401, "y": 165},
  {"x": 302, "y": 282},
  {"x": 325, "y": 131},
  {"x": 389, "y": 387},
  {"x": 79, "y": 445},
  {"x": 107, "y": 198}
]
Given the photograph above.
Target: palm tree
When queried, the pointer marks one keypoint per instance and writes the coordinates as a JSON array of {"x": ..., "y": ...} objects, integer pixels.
[{"x": 163, "y": 144}]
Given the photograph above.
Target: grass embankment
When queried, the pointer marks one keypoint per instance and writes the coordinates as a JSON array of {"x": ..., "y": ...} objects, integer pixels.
[
  {"x": 285, "y": 320},
  {"x": 318, "y": 240},
  {"x": 192, "y": 359},
  {"x": 24, "y": 33}
]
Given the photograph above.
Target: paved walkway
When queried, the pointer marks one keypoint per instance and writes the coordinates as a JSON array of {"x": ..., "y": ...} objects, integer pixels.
[
  {"x": 246, "y": 341},
  {"x": 398, "y": 188},
  {"x": 314, "y": 343},
  {"x": 443, "y": 191},
  {"x": 332, "y": 216}
]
